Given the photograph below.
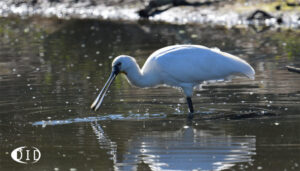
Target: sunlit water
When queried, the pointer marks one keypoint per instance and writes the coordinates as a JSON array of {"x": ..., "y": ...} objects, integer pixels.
[{"x": 51, "y": 71}]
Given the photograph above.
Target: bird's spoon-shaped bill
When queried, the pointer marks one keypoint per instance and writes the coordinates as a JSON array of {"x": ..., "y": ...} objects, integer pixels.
[{"x": 98, "y": 101}]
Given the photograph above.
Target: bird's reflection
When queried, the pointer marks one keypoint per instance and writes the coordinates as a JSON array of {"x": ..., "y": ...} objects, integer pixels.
[
  {"x": 104, "y": 141},
  {"x": 186, "y": 148}
]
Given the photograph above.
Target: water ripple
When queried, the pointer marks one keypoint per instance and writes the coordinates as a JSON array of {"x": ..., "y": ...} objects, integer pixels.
[{"x": 98, "y": 118}]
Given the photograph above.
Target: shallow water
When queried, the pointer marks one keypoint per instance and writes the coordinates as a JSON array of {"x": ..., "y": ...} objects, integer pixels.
[{"x": 51, "y": 71}]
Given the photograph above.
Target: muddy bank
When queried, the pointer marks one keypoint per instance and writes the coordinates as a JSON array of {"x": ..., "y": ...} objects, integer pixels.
[{"x": 226, "y": 13}]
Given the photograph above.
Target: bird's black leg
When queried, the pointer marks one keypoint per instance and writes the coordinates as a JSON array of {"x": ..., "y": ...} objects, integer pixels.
[
  {"x": 191, "y": 108},
  {"x": 190, "y": 104}
]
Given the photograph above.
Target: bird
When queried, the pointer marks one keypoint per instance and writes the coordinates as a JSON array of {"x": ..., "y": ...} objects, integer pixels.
[{"x": 180, "y": 66}]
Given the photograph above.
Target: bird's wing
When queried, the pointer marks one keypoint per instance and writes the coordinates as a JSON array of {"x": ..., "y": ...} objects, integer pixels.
[{"x": 195, "y": 64}]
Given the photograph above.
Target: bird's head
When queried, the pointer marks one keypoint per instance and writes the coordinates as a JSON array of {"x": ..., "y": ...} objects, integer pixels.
[{"x": 120, "y": 64}]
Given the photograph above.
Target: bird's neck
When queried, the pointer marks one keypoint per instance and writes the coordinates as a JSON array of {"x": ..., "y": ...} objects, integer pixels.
[{"x": 140, "y": 79}]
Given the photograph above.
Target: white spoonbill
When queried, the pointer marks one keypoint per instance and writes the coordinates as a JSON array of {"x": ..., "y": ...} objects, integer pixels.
[{"x": 184, "y": 66}]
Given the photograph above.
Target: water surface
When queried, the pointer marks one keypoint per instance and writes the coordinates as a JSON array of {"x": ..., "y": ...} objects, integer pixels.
[{"x": 51, "y": 71}]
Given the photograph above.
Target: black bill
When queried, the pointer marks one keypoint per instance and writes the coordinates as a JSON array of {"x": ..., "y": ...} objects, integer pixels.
[{"x": 98, "y": 101}]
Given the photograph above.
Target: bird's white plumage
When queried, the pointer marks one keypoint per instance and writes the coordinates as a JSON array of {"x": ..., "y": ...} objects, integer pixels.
[
  {"x": 188, "y": 65},
  {"x": 183, "y": 66}
]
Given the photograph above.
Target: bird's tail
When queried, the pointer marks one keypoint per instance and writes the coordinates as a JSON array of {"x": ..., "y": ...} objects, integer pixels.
[
  {"x": 248, "y": 71},
  {"x": 241, "y": 67}
]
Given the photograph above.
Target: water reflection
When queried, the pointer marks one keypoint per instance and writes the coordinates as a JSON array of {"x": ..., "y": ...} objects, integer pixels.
[
  {"x": 104, "y": 141},
  {"x": 186, "y": 147}
]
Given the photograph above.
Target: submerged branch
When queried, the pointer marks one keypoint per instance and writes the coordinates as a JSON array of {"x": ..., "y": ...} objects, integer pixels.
[
  {"x": 153, "y": 7},
  {"x": 262, "y": 15},
  {"x": 293, "y": 69}
]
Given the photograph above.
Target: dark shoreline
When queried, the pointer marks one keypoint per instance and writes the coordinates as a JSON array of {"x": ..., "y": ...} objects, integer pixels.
[{"x": 127, "y": 11}]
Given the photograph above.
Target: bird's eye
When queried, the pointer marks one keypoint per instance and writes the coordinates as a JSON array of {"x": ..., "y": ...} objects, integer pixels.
[{"x": 119, "y": 64}]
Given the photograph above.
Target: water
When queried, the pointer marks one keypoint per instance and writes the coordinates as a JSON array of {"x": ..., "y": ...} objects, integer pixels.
[{"x": 51, "y": 70}]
